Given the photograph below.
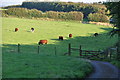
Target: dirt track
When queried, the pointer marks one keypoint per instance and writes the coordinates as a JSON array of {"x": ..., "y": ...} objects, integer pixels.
[{"x": 104, "y": 70}]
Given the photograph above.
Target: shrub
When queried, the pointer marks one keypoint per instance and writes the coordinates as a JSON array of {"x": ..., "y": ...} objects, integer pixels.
[
  {"x": 52, "y": 14},
  {"x": 23, "y": 12},
  {"x": 74, "y": 15},
  {"x": 34, "y": 13},
  {"x": 3, "y": 14},
  {"x": 97, "y": 17}
]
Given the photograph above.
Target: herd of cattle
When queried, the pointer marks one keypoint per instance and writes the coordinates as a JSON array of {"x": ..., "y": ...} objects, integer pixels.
[
  {"x": 16, "y": 29},
  {"x": 46, "y": 41}
]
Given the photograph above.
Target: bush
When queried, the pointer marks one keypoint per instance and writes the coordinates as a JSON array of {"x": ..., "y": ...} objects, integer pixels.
[
  {"x": 85, "y": 8},
  {"x": 3, "y": 14},
  {"x": 30, "y": 13},
  {"x": 116, "y": 63},
  {"x": 74, "y": 15},
  {"x": 52, "y": 14},
  {"x": 35, "y": 13},
  {"x": 23, "y": 12},
  {"x": 97, "y": 17}
]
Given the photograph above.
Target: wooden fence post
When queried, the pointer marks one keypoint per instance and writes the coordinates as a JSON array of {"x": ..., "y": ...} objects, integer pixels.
[
  {"x": 69, "y": 49},
  {"x": 38, "y": 49},
  {"x": 55, "y": 51},
  {"x": 18, "y": 47},
  {"x": 80, "y": 51},
  {"x": 110, "y": 53},
  {"x": 99, "y": 53}
]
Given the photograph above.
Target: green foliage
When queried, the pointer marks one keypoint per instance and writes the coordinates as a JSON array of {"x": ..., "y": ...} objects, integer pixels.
[
  {"x": 52, "y": 14},
  {"x": 97, "y": 17},
  {"x": 34, "y": 13},
  {"x": 23, "y": 12},
  {"x": 3, "y": 13},
  {"x": 66, "y": 7},
  {"x": 19, "y": 12},
  {"x": 75, "y": 15},
  {"x": 116, "y": 63},
  {"x": 114, "y": 8}
]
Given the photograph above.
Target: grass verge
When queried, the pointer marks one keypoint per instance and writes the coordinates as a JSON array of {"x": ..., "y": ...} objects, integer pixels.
[{"x": 43, "y": 66}]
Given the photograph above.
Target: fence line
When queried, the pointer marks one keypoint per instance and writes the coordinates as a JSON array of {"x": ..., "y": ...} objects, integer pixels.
[
  {"x": 83, "y": 52},
  {"x": 18, "y": 48},
  {"x": 87, "y": 53},
  {"x": 38, "y": 49}
]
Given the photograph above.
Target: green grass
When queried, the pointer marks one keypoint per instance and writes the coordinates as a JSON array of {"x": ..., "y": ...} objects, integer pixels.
[
  {"x": 51, "y": 30},
  {"x": 44, "y": 63},
  {"x": 116, "y": 63},
  {"x": 41, "y": 66}
]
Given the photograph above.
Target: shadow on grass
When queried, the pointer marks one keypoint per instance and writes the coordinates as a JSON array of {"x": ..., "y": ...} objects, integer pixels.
[
  {"x": 56, "y": 39},
  {"x": 60, "y": 47},
  {"x": 107, "y": 29},
  {"x": 30, "y": 63}
]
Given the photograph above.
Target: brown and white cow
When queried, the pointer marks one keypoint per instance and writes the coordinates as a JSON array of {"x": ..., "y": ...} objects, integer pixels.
[
  {"x": 32, "y": 29},
  {"x": 42, "y": 42},
  {"x": 16, "y": 29}
]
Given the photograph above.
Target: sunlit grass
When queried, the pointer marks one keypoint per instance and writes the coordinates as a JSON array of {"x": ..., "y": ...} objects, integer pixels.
[
  {"x": 29, "y": 64},
  {"x": 51, "y": 30}
]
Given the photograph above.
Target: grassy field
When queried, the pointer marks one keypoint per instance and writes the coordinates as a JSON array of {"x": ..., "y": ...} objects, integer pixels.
[
  {"x": 29, "y": 63},
  {"x": 42, "y": 66},
  {"x": 51, "y": 30}
]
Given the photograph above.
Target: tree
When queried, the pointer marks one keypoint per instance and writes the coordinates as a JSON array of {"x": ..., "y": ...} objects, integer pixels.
[
  {"x": 114, "y": 8},
  {"x": 98, "y": 17}
]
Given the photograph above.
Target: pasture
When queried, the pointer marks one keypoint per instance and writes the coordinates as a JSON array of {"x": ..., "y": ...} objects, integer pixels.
[
  {"x": 51, "y": 30},
  {"x": 42, "y": 66},
  {"x": 28, "y": 62}
]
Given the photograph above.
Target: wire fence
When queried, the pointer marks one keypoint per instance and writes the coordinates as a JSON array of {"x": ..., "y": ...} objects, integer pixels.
[{"x": 58, "y": 50}]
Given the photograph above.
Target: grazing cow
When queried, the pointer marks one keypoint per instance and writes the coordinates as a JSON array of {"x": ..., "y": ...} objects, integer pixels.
[
  {"x": 32, "y": 29},
  {"x": 60, "y": 37},
  {"x": 42, "y": 42},
  {"x": 95, "y": 34},
  {"x": 70, "y": 35},
  {"x": 16, "y": 29}
]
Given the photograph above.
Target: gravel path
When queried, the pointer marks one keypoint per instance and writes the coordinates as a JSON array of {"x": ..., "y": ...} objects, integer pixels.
[{"x": 104, "y": 70}]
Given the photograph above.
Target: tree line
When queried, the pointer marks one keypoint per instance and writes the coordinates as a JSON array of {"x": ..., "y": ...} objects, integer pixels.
[
  {"x": 114, "y": 8},
  {"x": 85, "y": 8},
  {"x": 60, "y": 10},
  {"x": 34, "y": 13}
]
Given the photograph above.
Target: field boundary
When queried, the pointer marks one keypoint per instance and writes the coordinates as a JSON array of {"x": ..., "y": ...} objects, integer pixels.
[
  {"x": 88, "y": 53},
  {"x": 82, "y": 53}
]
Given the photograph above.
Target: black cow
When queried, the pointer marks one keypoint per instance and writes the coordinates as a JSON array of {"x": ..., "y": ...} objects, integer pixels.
[
  {"x": 95, "y": 34},
  {"x": 32, "y": 29},
  {"x": 60, "y": 37}
]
